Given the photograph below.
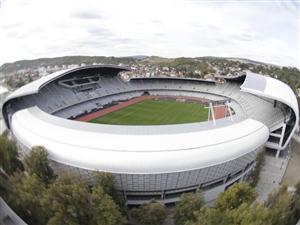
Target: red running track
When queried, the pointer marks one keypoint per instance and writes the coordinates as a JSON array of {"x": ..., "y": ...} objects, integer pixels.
[{"x": 220, "y": 111}]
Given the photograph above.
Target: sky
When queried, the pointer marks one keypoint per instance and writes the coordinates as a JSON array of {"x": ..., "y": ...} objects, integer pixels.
[{"x": 262, "y": 30}]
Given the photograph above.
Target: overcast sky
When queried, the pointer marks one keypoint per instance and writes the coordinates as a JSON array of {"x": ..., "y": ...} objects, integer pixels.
[{"x": 261, "y": 30}]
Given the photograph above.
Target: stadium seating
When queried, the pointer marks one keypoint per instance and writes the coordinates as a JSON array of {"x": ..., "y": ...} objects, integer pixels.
[{"x": 71, "y": 101}]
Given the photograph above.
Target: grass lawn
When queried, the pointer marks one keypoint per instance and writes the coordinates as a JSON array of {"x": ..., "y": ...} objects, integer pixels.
[{"x": 156, "y": 112}]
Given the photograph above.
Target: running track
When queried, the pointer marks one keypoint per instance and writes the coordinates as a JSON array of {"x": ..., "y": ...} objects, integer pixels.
[{"x": 220, "y": 111}]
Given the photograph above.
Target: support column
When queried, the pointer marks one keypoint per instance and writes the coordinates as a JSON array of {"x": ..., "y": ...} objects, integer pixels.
[
  {"x": 228, "y": 109},
  {"x": 277, "y": 153},
  {"x": 212, "y": 112},
  {"x": 281, "y": 140},
  {"x": 162, "y": 195}
]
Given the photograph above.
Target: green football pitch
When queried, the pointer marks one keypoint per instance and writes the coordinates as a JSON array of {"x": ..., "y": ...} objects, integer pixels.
[{"x": 156, "y": 112}]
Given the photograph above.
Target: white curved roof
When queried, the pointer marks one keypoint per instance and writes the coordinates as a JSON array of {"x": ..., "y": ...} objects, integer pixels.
[
  {"x": 274, "y": 89},
  {"x": 145, "y": 149},
  {"x": 93, "y": 148},
  {"x": 3, "y": 90},
  {"x": 33, "y": 87}
]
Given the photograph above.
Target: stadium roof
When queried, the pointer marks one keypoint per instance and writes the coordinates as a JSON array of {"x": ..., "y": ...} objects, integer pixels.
[
  {"x": 3, "y": 90},
  {"x": 274, "y": 89},
  {"x": 33, "y": 87},
  {"x": 271, "y": 88},
  {"x": 145, "y": 149},
  {"x": 90, "y": 146}
]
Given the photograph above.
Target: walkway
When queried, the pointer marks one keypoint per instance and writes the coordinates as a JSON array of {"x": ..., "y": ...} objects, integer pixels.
[
  {"x": 296, "y": 138},
  {"x": 271, "y": 176},
  {"x": 292, "y": 175}
]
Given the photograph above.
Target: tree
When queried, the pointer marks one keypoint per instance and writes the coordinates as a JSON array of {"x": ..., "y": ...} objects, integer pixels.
[
  {"x": 185, "y": 209},
  {"x": 9, "y": 161},
  {"x": 26, "y": 198},
  {"x": 295, "y": 217},
  {"x": 210, "y": 216},
  {"x": 152, "y": 213},
  {"x": 36, "y": 162},
  {"x": 104, "y": 210},
  {"x": 106, "y": 181},
  {"x": 260, "y": 160},
  {"x": 67, "y": 201},
  {"x": 280, "y": 205},
  {"x": 246, "y": 214},
  {"x": 236, "y": 195},
  {"x": 70, "y": 201}
]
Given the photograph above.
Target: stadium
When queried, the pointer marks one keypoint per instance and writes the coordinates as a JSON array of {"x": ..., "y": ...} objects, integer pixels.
[{"x": 159, "y": 137}]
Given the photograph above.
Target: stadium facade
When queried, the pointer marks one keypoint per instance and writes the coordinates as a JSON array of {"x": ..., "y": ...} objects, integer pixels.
[{"x": 152, "y": 162}]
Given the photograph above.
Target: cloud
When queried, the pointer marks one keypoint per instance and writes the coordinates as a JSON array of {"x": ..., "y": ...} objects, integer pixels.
[
  {"x": 13, "y": 25},
  {"x": 86, "y": 15},
  {"x": 98, "y": 31},
  {"x": 264, "y": 31}
]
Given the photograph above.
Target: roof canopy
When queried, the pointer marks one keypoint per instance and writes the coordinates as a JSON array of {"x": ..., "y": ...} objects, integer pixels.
[
  {"x": 3, "y": 90},
  {"x": 274, "y": 89},
  {"x": 33, "y": 87},
  {"x": 90, "y": 146}
]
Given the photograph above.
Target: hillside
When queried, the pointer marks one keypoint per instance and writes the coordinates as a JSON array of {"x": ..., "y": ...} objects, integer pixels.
[
  {"x": 9, "y": 68},
  {"x": 184, "y": 66},
  {"x": 192, "y": 63}
]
